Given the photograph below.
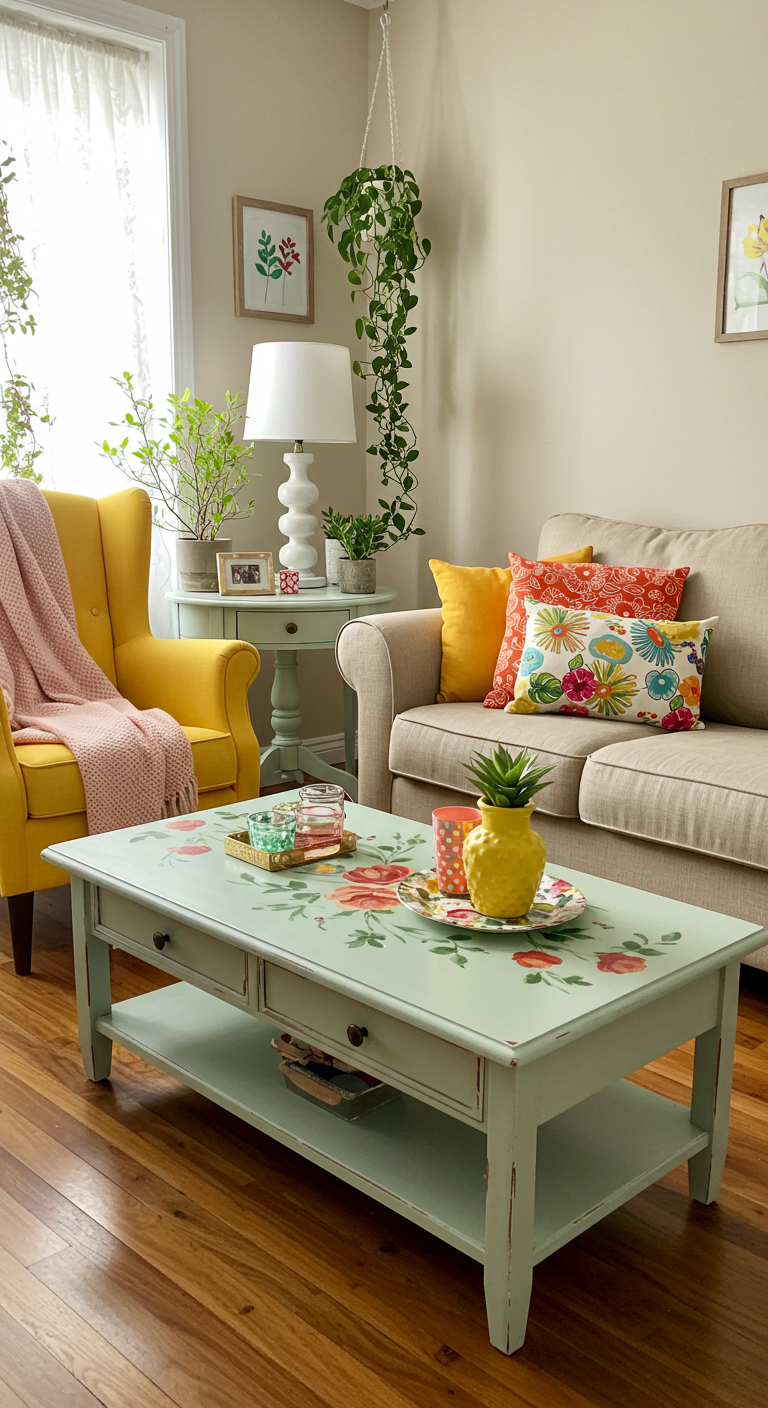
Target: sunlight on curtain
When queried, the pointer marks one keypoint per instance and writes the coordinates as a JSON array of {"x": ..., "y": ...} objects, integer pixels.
[{"x": 90, "y": 200}]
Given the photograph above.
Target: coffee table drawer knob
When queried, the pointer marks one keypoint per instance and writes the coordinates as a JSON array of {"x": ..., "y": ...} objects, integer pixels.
[
  {"x": 160, "y": 940},
  {"x": 356, "y": 1035},
  {"x": 291, "y": 628}
]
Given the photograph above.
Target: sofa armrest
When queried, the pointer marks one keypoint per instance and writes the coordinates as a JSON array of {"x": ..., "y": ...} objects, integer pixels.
[
  {"x": 393, "y": 663},
  {"x": 203, "y": 683}
]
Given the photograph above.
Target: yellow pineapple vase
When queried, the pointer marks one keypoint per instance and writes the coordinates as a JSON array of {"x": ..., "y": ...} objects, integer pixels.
[{"x": 504, "y": 861}]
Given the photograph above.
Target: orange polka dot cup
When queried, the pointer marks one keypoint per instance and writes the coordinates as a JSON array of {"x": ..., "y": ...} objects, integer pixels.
[{"x": 450, "y": 827}]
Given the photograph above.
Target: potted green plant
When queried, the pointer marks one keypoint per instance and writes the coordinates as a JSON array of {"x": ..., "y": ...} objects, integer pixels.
[
  {"x": 192, "y": 474},
  {"x": 374, "y": 213},
  {"x": 503, "y": 859},
  {"x": 19, "y": 446},
  {"x": 361, "y": 538}
]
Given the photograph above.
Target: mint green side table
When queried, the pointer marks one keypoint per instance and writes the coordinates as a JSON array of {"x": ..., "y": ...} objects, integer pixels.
[{"x": 309, "y": 620}]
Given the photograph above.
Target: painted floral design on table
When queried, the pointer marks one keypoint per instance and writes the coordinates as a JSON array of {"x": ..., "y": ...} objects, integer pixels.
[{"x": 362, "y": 888}]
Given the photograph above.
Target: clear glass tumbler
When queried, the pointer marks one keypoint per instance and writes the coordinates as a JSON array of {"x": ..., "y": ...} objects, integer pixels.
[
  {"x": 272, "y": 831},
  {"x": 319, "y": 816}
]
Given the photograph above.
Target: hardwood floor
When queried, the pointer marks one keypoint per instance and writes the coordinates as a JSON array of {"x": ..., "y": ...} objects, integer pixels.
[{"x": 156, "y": 1251}]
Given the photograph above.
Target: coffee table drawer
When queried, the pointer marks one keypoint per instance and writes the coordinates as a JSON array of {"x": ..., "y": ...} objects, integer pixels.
[
  {"x": 289, "y": 628},
  {"x": 412, "y": 1059},
  {"x": 187, "y": 952}
]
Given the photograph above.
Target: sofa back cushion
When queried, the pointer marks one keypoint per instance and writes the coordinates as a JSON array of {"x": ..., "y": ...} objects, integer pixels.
[{"x": 728, "y": 579}]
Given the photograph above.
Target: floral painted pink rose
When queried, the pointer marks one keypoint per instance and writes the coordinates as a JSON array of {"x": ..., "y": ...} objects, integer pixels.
[
  {"x": 464, "y": 916},
  {"x": 377, "y": 874},
  {"x": 532, "y": 958},
  {"x": 579, "y": 684},
  {"x": 186, "y": 824},
  {"x": 573, "y": 709},
  {"x": 559, "y": 887},
  {"x": 678, "y": 720},
  {"x": 189, "y": 850},
  {"x": 364, "y": 897},
  {"x": 620, "y": 963}
]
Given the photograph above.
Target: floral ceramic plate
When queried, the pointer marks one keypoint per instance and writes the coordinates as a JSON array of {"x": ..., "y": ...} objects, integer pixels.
[{"x": 556, "y": 902}]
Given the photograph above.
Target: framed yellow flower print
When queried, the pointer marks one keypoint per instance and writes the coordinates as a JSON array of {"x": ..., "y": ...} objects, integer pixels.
[{"x": 742, "y": 272}]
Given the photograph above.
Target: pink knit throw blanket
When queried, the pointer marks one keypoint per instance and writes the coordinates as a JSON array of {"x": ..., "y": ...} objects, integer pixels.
[{"x": 136, "y": 765}]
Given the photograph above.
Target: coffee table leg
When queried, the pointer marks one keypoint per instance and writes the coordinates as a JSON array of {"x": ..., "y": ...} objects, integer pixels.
[
  {"x": 711, "y": 1097},
  {"x": 509, "y": 1205},
  {"x": 94, "y": 994}
]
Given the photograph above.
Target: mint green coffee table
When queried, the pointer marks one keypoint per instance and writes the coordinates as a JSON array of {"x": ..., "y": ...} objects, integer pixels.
[{"x": 510, "y": 1050}]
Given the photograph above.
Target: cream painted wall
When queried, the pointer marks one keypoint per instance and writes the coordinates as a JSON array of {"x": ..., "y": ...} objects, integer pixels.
[
  {"x": 277, "y": 103},
  {"x": 570, "y": 157}
]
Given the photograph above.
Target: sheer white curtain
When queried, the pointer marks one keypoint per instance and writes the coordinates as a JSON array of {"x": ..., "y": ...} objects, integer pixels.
[{"x": 90, "y": 199}]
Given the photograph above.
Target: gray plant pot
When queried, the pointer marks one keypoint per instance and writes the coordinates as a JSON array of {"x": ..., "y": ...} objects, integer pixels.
[
  {"x": 332, "y": 552},
  {"x": 357, "y": 576},
  {"x": 196, "y": 563}
]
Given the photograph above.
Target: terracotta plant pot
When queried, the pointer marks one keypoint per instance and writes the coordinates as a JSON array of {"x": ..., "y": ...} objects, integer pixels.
[
  {"x": 504, "y": 861},
  {"x": 358, "y": 575},
  {"x": 196, "y": 563}
]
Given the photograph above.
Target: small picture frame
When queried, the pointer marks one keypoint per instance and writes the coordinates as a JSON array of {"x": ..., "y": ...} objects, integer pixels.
[
  {"x": 274, "y": 261},
  {"x": 245, "y": 574},
  {"x": 742, "y": 271}
]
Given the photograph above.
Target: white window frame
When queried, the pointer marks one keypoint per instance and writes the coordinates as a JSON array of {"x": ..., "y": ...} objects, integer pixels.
[{"x": 166, "y": 35}]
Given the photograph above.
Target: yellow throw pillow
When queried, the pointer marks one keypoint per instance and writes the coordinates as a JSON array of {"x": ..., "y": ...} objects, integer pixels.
[{"x": 474, "y": 619}]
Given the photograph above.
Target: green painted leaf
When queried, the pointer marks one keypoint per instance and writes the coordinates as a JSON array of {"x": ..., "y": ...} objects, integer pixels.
[
  {"x": 375, "y": 943},
  {"x": 634, "y": 948},
  {"x": 544, "y": 688},
  {"x": 671, "y": 938},
  {"x": 532, "y": 978},
  {"x": 442, "y": 948},
  {"x": 677, "y": 702},
  {"x": 459, "y": 959},
  {"x": 261, "y": 270},
  {"x": 576, "y": 981},
  {"x": 576, "y": 662},
  {"x": 358, "y": 943},
  {"x": 643, "y": 937},
  {"x": 652, "y": 952}
]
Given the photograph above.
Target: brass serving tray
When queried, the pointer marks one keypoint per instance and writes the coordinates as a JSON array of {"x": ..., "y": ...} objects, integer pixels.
[{"x": 238, "y": 845}]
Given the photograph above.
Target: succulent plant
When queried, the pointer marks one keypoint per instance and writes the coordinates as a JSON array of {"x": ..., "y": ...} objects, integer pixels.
[{"x": 506, "y": 781}]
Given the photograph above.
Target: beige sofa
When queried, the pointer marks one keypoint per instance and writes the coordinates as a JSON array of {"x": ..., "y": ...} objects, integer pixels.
[{"x": 681, "y": 814}]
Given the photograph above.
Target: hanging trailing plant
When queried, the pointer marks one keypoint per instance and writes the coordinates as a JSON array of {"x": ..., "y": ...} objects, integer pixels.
[
  {"x": 19, "y": 446},
  {"x": 375, "y": 211}
]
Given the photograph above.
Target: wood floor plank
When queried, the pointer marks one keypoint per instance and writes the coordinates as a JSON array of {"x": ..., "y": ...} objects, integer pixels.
[
  {"x": 33, "y": 1376},
  {"x": 22, "y": 1235},
  {"x": 113, "y": 1379},
  {"x": 164, "y": 1242}
]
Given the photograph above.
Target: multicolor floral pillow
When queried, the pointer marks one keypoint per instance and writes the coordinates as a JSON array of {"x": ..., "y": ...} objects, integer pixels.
[
  {"x": 593, "y": 586},
  {"x": 610, "y": 667}
]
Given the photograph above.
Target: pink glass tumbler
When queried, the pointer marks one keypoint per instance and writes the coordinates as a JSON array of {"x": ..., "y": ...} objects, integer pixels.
[{"x": 451, "y": 826}]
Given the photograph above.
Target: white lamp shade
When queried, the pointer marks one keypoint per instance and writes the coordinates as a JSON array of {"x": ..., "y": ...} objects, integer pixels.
[{"x": 300, "y": 391}]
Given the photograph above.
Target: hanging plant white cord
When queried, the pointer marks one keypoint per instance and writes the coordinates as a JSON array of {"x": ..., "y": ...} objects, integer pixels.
[{"x": 394, "y": 131}]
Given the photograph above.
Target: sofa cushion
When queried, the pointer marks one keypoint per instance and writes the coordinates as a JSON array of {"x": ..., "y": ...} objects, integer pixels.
[
  {"x": 728, "y": 576},
  {"x": 55, "y": 787},
  {"x": 433, "y": 742},
  {"x": 705, "y": 792}
]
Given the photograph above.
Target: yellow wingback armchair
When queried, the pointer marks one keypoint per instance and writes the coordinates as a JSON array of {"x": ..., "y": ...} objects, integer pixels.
[{"x": 202, "y": 683}]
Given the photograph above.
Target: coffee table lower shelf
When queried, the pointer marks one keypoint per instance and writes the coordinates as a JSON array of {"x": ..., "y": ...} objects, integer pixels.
[{"x": 417, "y": 1160}]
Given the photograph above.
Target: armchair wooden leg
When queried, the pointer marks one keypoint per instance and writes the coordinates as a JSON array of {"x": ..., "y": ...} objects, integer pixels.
[{"x": 20, "y": 911}]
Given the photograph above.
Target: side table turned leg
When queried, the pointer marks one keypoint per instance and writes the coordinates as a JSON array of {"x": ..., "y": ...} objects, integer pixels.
[
  {"x": 282, "y": 753},
  {"x": 711, "y": 1096},
  {"x": 509, "y": 1206}
]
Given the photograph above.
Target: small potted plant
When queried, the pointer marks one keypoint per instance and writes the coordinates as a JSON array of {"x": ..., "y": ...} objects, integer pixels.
[
  {"x": 192, "y": 474},
  {"x": 504, "y": 859},
  {"x": 332, "y": 522},
  {"x": 361, "y": 538}
]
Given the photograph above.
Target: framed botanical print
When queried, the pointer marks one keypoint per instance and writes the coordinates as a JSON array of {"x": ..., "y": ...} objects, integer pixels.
[
  {"x": 245, "y": 574},
  {"x": 742, "y": 273},
  {"x": 274, "y": 261}
]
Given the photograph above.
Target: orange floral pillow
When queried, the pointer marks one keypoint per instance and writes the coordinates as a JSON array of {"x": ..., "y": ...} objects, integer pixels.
[{"x": 651, "y": 592}]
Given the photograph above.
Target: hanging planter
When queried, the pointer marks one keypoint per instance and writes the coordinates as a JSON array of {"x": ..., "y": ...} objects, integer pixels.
[{"x": 374, "y": 212}]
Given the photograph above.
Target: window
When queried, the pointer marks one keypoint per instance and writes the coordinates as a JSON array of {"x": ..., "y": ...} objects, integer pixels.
[{"x": 92, "y": 95}]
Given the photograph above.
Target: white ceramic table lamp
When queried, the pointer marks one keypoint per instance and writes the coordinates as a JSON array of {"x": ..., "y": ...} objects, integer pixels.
[{"x": 300, "y": 391}]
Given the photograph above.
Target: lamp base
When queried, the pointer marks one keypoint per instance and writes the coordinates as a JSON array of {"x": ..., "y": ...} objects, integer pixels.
[{"x": 308, "y": 579}]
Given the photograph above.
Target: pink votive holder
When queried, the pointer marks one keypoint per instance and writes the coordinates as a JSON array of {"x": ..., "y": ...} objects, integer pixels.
[
  {"x": 450, "y": 827},
  {"x": 289, "y": 582}
]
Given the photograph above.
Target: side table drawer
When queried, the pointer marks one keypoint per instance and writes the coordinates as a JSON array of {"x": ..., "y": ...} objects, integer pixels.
[
  {"x": 186, "y": 954},
  {"x": 289, "y": 628},
  {"x": 436, "y": 1070}
]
